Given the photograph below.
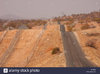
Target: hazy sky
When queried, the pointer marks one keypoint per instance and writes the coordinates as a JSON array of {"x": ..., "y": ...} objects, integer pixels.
[{"x": 46, "y": 8}]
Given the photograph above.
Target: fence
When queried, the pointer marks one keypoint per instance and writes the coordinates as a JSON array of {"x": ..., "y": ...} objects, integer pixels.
[
  {"x": 3, "y": 35},
  {"x": 26, "y": 61},
  {"x": 10, "y": 48}
]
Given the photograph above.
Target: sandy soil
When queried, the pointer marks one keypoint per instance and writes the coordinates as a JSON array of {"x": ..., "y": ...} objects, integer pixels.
[
  {"x": 43, "y": 54},
  {"x": 78, "y": 26},
  {"x": 91, "y": 53},
  {"x": 26, "y": 55},
  {"x": 6, "y": 41},
  {"x": 18, "y": 58}
]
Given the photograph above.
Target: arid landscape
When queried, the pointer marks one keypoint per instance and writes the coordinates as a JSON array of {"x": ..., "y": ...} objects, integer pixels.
[{"x": 65, "y": 41}]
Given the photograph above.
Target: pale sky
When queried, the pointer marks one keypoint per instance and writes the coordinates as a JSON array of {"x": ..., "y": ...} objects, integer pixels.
[{"x": 46, "y": 8}]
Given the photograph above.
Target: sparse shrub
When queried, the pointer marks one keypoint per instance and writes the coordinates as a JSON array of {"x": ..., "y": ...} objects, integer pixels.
[
  {"x": 69, "y": 28},
  {"x": 85, "y": 27},
  {"x": 81, "y": 21},
  {"x": 93, "y": 34},
  {"x": 97, "y": 20},
  {"x": 91, "y": 43},
  {"x": 55, "y": 50},
  {"x": 29, "y": 23}
]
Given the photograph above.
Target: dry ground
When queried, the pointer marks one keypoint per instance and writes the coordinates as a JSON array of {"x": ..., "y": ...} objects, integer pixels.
[
  {"x": 92, "y": 53},
  {"x": 43, "y": 53},
  {"x": 27, "y": 54}
]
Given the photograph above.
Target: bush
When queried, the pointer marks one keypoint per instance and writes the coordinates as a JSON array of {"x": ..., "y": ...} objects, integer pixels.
[
  {"x": 81, "y": 21},
  {"x": 69, "y": 28},
  {"x": 93, "y": 34},
  {"x": 91, "y": 43},
  {"x": 85, "y": 27},
  {"x": 97, "y": 20},
  {"x": 55, "y": 50}
]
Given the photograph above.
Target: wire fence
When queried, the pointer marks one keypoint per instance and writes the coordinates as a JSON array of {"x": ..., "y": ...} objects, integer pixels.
[
  {"x": 35, "y": 46},
  {"x": 3, "y": 35},
  {"x": 10, "y": 48}
]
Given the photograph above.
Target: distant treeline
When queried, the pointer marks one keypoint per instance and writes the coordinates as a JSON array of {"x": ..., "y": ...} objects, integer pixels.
[
  {"x": 16, "y": 23},
  {"x": 93, "y": 16}
]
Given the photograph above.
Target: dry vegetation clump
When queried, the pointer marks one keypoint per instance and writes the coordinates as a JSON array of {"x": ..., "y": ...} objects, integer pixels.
[
  {"x": 58, "y": 19},
  {"x": 55, "y": 50},
  {"x": 16, "y": 23},
  {"x": 1, "y": 28},
  {"x": 36, "y": 23},
  {"x": 70, "y": 28},
  {"x": 93, "y": 34},
  {"x": 97, "y": 20},
  {"x": 85, "y": 27},
  {"x": 91, "y": 43},
  {"x": 1, "y": 24},
  {"x": 29, "y": 23},
  {"x": 81, "y": 21}
]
